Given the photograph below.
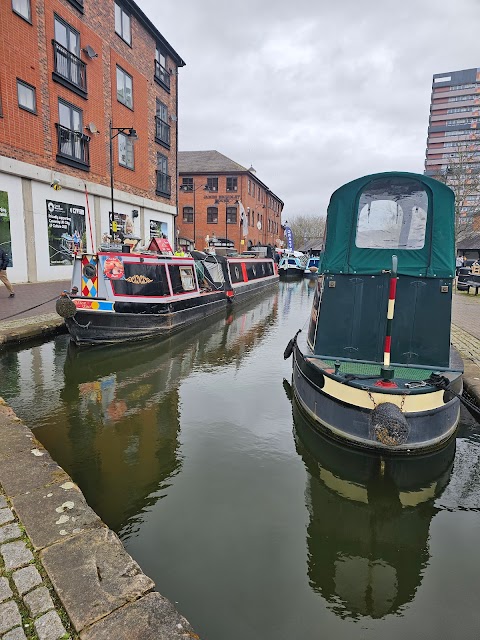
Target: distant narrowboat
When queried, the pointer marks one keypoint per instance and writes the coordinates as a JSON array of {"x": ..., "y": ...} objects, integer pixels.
[
  {"x": 376, "y": 368},
  {"x": 292, "y": 265}
]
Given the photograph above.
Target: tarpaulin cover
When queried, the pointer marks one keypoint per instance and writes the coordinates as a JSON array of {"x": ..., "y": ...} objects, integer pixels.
[{"x": 408, "y": 215}]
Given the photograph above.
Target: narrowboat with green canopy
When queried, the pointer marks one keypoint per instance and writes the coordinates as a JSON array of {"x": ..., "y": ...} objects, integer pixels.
[{"x": 376, "y": 367}]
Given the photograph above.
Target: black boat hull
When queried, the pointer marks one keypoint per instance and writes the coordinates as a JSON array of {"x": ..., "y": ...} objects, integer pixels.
[
  {"x": 97, "y": 327},
  {"x": 427, "y": 430}
]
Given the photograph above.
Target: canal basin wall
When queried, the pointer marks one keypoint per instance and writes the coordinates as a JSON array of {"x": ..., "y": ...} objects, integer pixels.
[{"x": 46, "y": 524}]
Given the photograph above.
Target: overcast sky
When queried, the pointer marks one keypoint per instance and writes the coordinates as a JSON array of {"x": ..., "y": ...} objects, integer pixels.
[{"x": 313, "y": 93}]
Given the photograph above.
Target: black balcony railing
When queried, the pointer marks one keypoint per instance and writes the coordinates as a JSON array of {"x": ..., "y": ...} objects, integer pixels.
[
  {"x": 73, "y": 148},
  {"x": 69, "y": 69},
  {"x": 164, "y": 184},
  {"x": 162, "y": 75},
  {"x": 162, "y": 131}
]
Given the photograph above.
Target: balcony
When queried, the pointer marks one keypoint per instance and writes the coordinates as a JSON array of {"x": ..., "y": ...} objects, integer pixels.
[
  {"x": 73, "y": 148},
  {"x": 69, "y": 70},
  {"x": 162, "y": 132},
  {"x": 162, "y": 76},
  {"x": 164, "y": 184}
]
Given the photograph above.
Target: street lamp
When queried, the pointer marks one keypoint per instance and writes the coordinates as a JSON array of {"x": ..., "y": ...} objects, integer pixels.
[
  {"x": 130, "y": 133},
  {"x": 191, "y": 188}
]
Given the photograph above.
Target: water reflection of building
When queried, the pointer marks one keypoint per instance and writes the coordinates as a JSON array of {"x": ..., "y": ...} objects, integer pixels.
[
  {"x": 114, "y": 427},
  {"x": 368, "y": 530}
]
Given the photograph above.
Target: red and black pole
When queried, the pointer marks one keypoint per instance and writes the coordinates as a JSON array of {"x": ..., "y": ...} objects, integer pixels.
[{"x": 387, "y": 371}]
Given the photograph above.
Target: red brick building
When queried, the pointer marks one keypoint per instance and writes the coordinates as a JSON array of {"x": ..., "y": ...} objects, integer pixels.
[
  {"x": 80, "y": 79},
  {"x": 212, "y": 191}
]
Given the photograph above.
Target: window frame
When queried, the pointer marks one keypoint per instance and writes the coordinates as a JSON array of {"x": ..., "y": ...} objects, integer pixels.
[
  {"x": 34, "y": 92},
  {"x": 233, "y": 184},
  {"x": 212, "y": 211},
  {"x": 230, "y": 210},
  {"x": 212, "y": 184},
  {"x": 120, "y": 70},
  {"x": 123, "y": 12},
  {"x": 19, "y": 13},
  {"x": 187, "y": 215}
]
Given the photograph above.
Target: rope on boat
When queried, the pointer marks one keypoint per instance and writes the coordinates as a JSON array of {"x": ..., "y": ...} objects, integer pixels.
[
  {"x": 29, "y": 309},
  {"x": 442, "y": 382}
]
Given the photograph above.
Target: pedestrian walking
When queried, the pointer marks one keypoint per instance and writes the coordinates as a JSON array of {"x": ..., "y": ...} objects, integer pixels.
[
  {"x": 3, "y": 272},
  {"x": 459, "y": 264}
]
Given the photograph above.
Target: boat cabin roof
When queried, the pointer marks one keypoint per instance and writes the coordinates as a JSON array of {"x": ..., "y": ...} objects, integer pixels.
[{"x": 374, "y": 217}]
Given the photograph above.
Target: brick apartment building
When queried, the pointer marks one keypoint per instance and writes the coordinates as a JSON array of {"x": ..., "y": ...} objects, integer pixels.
[
  {"x": 212, "y": 189},
  {"x": 453, "y": 144},
  {"x": 80, "y": 79}
]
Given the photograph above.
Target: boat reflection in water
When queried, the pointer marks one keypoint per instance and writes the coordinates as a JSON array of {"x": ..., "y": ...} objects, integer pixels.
[
  {"x": 117, "y": 430},
  {"x": 369, "y": 522}
]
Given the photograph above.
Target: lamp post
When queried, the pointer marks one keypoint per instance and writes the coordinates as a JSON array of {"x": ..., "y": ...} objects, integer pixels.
[
  {"x": 130, "y": 133},
  {"x": 192, "y": 188}
]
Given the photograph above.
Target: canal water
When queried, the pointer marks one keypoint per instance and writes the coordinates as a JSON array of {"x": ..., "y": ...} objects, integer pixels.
[{"x": 254, "y": 525}]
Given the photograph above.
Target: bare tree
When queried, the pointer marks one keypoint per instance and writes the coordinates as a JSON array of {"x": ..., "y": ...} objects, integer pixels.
[
  {"x": 306, "y": 228},
  {"x": 462, "y": 175}
]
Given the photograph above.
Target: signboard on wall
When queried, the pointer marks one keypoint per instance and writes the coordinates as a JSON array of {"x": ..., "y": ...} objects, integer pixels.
[
  {"x": 158, "y": 229},
  {"x": 66, "y": 231},
  {"x": 5, "y": 237},
  {"x": 119, "y": 226}
]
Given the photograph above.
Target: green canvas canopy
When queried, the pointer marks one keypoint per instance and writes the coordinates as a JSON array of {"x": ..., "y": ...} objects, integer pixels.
[{"x": 408, "y": 215}]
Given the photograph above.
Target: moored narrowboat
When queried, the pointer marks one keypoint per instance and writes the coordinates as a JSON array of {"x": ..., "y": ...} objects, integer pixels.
[
  {"x": 376, "y": 367},
  {"x": 118, "y": 296},
  {"x": 312, "y": 267},
  {"x": 292, "y": 265}
]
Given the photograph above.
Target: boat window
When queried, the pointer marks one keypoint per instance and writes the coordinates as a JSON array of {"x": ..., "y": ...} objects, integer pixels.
[
  {"x": 392, "y": 214},
  {"x": 290, "y": 261},
  {"x": 140, "y": 279},
  {"x": 182, "y": 278}
]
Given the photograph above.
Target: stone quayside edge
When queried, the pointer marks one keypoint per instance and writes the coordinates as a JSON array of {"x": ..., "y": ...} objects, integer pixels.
[{"x": 103, "y": 590}]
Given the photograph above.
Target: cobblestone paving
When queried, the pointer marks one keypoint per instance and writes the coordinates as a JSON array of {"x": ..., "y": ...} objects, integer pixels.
[
  {"x": 29, "y": 609},
  {"x": 466, "y": 343}
]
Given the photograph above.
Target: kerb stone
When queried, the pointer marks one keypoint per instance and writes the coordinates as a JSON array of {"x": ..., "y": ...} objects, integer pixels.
[
  {"x": 152, "y": 617},
  {"x": 6, "y": 515},
  {"x": 55, "y": 512},
  {"x": 5, "y": 591},
  {"x": 10, "y": 532},
  {"x": 15, "y": 634},
  {"x": 93, "y": 575}
]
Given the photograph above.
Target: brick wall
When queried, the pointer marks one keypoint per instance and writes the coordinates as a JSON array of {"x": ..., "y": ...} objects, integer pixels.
[
  {"x": 204, "y": 199},
  {"x": 26, "y": 52}
]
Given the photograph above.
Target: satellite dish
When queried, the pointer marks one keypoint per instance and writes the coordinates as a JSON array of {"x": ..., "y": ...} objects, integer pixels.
[
  {"x": 92, "y": 127},
  {"x": 90, "y": 51}
]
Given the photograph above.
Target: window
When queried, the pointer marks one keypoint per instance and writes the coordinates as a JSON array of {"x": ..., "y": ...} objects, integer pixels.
[
  {"x": 22, "y": 7},
  {"x": 122, "y": 24},
  {"x": 162, "y": 128},
  {"x": 163, "y": 179},
  {"x": 392, "y": 214},
  {"x": 68, "y": 66},
  {"x": 212, "y": 215},
  {"x": 248, "y": 187},
  {"x": 188, "y": 214},
  {"x": 124, "y": 88},
  {"x": 26, "y": 96},
  {"x": 232, "y": 184},
  {"x": 212, "y": 184},
  {"x": 182, "y": 279},
  {"x": 125, "y": 151},
  {"x": 456, "y": 87},
  {"x": 187, "y": 184},
  {"x": 73, "y": 144},
  {"x": 231, "y": 215},
  {"x": 161, "y": 74}
]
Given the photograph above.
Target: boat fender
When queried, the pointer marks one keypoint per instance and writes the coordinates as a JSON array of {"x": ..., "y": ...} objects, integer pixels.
[
  {"x": 389, "y": 425},
  {"x": 290, "y": 346},
  {"x": 65, "y": 307}
]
